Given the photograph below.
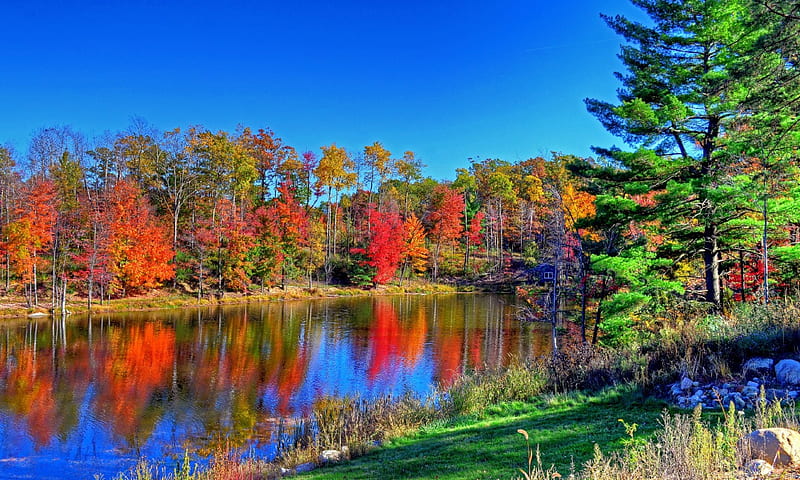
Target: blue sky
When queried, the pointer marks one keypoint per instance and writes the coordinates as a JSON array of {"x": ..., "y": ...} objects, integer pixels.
[{"x": 449, "y": 80}]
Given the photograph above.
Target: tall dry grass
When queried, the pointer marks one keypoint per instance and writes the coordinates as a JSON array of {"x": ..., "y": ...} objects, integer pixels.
[{"x": 686, "y": 447}]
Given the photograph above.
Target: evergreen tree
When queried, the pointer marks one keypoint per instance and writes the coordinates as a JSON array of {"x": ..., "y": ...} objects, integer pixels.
[{"x": 682, "y": 105}]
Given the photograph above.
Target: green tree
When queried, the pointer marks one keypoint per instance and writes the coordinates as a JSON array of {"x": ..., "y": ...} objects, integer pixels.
[
  {"x": 408, "y": 169},
  {"x": 681, "y": 106}
]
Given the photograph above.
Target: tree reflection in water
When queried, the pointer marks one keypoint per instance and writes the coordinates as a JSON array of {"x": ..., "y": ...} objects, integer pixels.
[{"x": 90, "y": 396}]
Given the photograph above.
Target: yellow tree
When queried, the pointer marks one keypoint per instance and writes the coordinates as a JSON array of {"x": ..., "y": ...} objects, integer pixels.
[
  {"x": 335, "y": 172},
  {"x": 527, "y": 177},
  {"x": 226, "y": 167},
  {"x": 415, "y": 252},
  {"x": 379, "y": 161}
]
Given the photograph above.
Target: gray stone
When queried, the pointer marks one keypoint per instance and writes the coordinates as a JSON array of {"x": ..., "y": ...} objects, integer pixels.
[
  {"x": 330, "y": 456},
  {"x": 777, "y": 446},
  {"x": 788, "y": 372},
  {"x": 757, "y": 468},
  {"x": 686, "y": 383},
  {"x": 774, "y": 394},
  {"x": 750, "y": 392},
  {"x": 304, "y": 467}
]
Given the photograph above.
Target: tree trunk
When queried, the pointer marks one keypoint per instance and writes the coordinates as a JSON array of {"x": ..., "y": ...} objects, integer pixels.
[
  {"x": 64, "y": 297},
  {"x": 765, "y": 251},
  {"x": 35, "y": 284},
  {"x": 584, "y": 288},
  {"x": 436, "y": 260},
  {"x": 711, "y": 264},
  {"x": 598, "y": 313}
]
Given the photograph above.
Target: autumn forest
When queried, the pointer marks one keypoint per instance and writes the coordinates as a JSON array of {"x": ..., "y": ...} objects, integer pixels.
[
  {"x": 702, "y": 206},
  {"x": 214, "y": 212}
]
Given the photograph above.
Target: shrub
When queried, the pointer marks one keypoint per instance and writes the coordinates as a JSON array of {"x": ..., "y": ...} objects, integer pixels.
[
  {"x": 354, "y": 422},
  {"x": 475, "y": 392}
]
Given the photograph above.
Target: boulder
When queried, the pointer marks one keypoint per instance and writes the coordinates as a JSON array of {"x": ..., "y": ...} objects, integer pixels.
[
  {"x": 750, "y": 392},
  {"x": 757, "y": 468},
  {"x": 686, "y": 383},
  {"x": 736, "y": 398},
  {"x": 304, "y": 467},
  {"x": 779, "y": 447},
  {"x": 775, "y": 394},
  {"x": 788, "y": 372},
  {"x": 331, "y": 456},
  {"x": 758, "y": 365}
]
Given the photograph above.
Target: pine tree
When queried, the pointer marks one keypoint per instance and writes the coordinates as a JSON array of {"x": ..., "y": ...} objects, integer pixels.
[{"x": 681, "y": 106}]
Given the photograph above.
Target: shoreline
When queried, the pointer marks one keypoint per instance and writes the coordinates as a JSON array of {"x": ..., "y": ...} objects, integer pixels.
[{"x": 14, "y": 308}]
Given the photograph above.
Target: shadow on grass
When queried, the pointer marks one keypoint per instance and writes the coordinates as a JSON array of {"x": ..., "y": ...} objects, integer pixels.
[{"x": 491, "y": 448}]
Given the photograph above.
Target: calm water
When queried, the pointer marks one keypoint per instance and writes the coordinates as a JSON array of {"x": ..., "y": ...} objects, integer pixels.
[{"x": 92, "y": 396}]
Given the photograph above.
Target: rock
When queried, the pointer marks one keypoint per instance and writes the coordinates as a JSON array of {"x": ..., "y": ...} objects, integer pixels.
[
  {"x": 758, "y": 365},
  {"x": 686, "y": 383},
  {"x": 777, "y": 446},
  {"x": 757, "y": 468},
  {"x": 330, "y": 456},
  {"x": 788, "y": 372},
  {"x": 750, "y": 391},
  {"x": 675, "y": 390},
  {"x": 773, "y": 394},
  {"x": 304, "y": 467},
  {"x": 754, "y": 384}
]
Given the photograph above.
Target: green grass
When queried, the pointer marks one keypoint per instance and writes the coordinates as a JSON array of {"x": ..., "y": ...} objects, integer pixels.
[{"x": 565, "y": 428}]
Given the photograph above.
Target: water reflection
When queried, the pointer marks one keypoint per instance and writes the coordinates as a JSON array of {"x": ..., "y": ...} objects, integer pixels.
[{"x": 92, "y": 395}]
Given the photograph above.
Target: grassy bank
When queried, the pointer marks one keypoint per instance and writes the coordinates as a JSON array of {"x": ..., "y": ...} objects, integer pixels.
[
  {"x": 565, "y": 428},
  {"x": 14, "y": 307},
  {"x": 612, "y": 435},
  {"x": 484, "y": 445},
  {"x": 615, "y": 434}
]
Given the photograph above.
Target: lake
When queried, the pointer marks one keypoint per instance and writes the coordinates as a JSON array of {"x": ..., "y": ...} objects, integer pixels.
[{"x": 93, "y": 395}]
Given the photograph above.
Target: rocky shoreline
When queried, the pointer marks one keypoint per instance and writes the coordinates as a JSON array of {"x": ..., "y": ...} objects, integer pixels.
[{"x": 781, "y": 383}]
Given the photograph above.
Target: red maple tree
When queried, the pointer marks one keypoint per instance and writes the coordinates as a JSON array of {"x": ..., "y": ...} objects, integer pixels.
[
  {"x": 385, "y": 246},
  {"x": 444, "y": 218},
  {"x": 140, "y": 249}
]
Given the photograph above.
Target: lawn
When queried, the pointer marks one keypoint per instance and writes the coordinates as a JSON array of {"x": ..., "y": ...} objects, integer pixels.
[{"x": 565, "y": 428}]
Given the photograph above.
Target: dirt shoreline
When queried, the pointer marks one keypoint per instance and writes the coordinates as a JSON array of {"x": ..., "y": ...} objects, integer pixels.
[{"x": 14, "y": 307}]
